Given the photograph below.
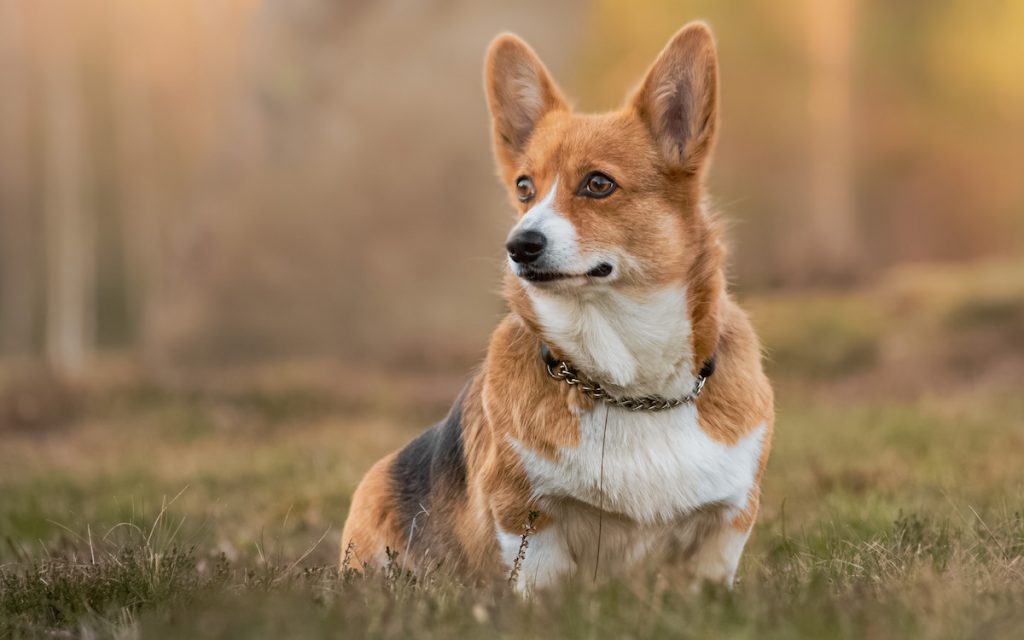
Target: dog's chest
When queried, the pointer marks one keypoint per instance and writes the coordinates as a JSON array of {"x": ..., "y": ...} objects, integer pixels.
[{"x": 655, "y": 467}]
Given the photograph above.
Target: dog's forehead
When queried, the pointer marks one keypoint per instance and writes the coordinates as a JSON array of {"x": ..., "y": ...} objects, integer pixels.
[{"x": 577, "y": 143}]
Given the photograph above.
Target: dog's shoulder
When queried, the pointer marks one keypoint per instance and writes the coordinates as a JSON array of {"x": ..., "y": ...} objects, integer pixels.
[{"x": 739, "y": 397}]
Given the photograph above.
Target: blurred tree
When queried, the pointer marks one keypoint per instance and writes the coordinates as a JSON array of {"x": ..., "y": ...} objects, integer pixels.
[
  {"x": 142, "y": 204},
  {"x": 831, "y": 247},
  {"x": 69, "y": 221},
  {"x": 17, "y": 233}
]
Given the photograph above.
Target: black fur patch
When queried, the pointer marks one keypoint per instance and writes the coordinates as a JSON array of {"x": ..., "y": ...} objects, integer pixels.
[{"x": 428, "y": 477}]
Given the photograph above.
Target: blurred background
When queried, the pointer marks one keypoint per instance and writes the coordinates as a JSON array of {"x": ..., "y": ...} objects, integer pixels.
[
  {"x": 186, "y": 184},
  {"x": 249, "y": 246}
]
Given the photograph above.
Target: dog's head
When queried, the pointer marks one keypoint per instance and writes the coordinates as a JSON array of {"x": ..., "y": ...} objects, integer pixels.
[{"x": 608, "y": 200}]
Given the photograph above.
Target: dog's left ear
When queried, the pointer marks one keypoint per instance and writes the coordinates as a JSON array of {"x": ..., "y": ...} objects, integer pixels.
[
  {"x": 520, "y": 92},
  {"x": 679, "y": 98}
]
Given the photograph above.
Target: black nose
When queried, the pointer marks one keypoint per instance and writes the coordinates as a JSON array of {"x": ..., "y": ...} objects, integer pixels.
[{"x": 526, "y": 246}]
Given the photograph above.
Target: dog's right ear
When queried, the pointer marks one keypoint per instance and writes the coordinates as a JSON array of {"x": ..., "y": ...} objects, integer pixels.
[
  {"x": 520, "y": 92},
  {"x": 679, "y": 98}
]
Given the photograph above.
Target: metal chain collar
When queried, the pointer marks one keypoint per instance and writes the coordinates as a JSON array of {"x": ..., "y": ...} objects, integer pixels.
[{"x": 560, "y": 370}]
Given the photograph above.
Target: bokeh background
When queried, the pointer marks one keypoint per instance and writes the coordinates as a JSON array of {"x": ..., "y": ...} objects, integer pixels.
[
  {"x": 195, "y": 184},
  {"x": 249, "y": 246}
]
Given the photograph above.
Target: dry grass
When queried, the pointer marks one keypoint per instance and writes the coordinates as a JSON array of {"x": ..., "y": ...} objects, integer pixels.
[{"x": 893, "y": 504}]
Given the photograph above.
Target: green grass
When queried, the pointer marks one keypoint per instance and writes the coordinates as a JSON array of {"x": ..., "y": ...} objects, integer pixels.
[
  {"x": 893, "y": 500},
  {"x": 912, "y": 576}
]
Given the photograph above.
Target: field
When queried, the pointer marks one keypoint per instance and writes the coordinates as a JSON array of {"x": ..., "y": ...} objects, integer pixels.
[{"x": 211, "y": 506}]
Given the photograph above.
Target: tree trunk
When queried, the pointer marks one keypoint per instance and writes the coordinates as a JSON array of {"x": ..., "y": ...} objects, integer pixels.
[
  {"x": 69, "y": 224},
  {"x": 17, "y": 233},
  {"x": 832, "y": 247},
  {"x": 140, "y": 196}
]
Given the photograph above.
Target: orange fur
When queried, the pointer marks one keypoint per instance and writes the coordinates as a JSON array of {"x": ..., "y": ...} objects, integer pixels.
[
  {"x": 657, "y": 147},
  {"x": 371, "y": 528}
]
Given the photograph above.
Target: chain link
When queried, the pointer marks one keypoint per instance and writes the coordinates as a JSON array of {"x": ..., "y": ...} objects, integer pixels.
[{"x": 562, "y": 371}]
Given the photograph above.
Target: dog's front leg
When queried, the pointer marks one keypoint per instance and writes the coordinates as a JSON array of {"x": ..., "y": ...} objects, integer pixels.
[
  {"x": 717, "y": 556},
  {"x": 715, "y": 542},
  {"x": 536, "y": 559}
]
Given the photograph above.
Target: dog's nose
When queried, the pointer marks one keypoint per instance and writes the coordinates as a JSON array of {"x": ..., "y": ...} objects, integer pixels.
[{"x": 526, "y": 246}]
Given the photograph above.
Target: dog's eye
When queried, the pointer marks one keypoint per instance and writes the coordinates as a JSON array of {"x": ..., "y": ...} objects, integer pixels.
[
  {"x": 525, "y": 189},
  {"x": 596, "y": 185}
]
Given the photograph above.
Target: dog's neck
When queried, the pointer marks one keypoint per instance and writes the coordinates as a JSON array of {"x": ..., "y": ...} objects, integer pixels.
[{"x": 632, "y": 343}]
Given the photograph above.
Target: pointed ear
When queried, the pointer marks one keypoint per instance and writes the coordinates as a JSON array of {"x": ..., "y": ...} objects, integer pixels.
[
  {"x": 679, "y": 98},
  {"x": 520, "y": 92}
]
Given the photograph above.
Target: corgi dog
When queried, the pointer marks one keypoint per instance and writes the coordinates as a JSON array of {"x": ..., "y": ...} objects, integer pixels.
[{"x": 621, "y": 413}]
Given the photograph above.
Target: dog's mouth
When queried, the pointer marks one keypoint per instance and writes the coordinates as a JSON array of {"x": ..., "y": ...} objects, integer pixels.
[{"x": 602, "y": 270}]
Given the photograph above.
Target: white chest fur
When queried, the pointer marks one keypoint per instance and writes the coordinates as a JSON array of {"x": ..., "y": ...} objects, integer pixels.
[
  {"x": 657, "y": 467},
  {"x": 654, "y": 470},
  {"x": 633, "y": 344}
]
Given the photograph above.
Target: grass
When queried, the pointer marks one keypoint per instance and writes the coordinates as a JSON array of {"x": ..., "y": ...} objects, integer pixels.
[
  {"x": 894, "y": 500},
  {"x": 912, "y": 576}
]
